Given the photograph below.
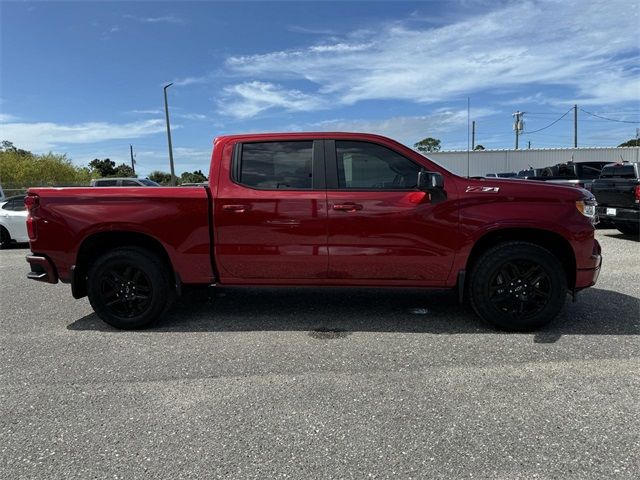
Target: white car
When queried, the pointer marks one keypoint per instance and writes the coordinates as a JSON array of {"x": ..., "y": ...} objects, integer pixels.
[{"x": 13, "y": 221}]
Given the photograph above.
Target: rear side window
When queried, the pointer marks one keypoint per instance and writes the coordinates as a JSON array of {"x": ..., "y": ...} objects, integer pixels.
[
  {"x": 276, "y": 165},
  {"x": 106, "y": 183},
  {"x": 618, "y": 171},
  {"x": 369, "y": 166},
  {"x": 15, "y": 205},
  {"x": 130, "y": 183}
]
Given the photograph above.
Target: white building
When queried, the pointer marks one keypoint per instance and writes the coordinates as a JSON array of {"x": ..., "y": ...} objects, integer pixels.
[{"x": 482, "y": 162}]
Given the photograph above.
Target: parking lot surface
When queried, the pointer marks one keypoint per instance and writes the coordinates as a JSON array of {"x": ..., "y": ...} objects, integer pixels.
[{"x": 320, "y": 383}]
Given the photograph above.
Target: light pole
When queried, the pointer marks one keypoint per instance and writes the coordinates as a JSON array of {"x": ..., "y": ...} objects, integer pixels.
[{"x": 166, "y": 114}]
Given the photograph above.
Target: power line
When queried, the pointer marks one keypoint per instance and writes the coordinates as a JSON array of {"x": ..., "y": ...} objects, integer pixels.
[
  {"x": 551, "y": 124},
  {"x": 610, "y": 119}
]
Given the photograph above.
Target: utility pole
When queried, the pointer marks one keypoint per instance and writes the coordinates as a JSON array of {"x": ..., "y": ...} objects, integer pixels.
[
  {"x": 529, "y": 145},
  {"x": 133, "y": 162},
  {"x": 518, "y": 125},
  {"x": 166, "y": 114},
  {"x": 575, "y": 126},
  {"x": 473, "y": 135}
]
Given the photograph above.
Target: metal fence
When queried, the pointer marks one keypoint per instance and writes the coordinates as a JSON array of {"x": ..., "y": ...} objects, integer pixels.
[{"x": 495, "y": 161}]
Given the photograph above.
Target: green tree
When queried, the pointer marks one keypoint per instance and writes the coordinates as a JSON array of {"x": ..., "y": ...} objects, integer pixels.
[
  {"x": 634, "y": 142},
  {"x": 23, "y": 169},
  {"x": 428, "y": 144},
  {"x": 479, "y": 147},
  {"x": 124, "y": 170},
  {"x": 195, "y": 177},
  {"x": 104, "y": 168},
  {"x": 163, "y": 178}
]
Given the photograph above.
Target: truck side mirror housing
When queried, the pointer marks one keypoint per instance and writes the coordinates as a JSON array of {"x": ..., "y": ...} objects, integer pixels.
[{"x": 430, "y": 181}]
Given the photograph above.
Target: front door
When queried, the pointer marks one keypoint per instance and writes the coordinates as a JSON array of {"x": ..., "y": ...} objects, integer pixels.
[
  {"x": 380, "y": 226},
  {"x": 271, "y": 215}
]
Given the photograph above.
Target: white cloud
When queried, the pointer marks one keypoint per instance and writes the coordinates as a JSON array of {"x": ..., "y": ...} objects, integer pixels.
[
  {"x": 250, "y": 98},
  {"x": 587, "y": 46},
  {"x": 5, "y": 117},
  {"x": 192, "y": 116},
  {"x": 42, "y": 136},
  {"x": 183, "y": 82},
  {"x": 159, "y": 19},
  {"x": 406, "y": 129},
  {"x": 150, "y": 111}
]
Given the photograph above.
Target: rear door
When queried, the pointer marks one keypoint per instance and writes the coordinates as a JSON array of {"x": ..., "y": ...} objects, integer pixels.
[
  {"x": 380, "y": 226},
  {"x": 271, "y": 212}
]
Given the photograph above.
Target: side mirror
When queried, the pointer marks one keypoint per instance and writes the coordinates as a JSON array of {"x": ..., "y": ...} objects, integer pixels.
[{"x": 430, "y": 181}]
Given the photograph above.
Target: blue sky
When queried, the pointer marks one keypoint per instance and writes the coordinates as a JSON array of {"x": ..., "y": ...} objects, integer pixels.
[{"x": 85, "y": 78}]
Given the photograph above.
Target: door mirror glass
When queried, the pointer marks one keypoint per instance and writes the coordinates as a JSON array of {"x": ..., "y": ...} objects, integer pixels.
[{"x": 430, "y": 181}]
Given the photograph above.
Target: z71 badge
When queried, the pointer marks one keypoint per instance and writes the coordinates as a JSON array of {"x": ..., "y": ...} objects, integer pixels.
[{"x": 482, "y": 189}]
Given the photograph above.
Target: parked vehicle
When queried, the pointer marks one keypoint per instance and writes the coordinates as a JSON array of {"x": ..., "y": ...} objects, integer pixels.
[
  {"x": 123, "y": 182},
  {"x": 502, "y": 175},
  {"x": 13, "y": 221},
  {"x": 574, "y": 174},
  {"x": 321, "y": 209},
  {"x": 618, "y": 194}
]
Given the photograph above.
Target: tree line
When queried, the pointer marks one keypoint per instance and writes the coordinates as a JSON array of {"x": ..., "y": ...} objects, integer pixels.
[{"x": 21, "y": 168}]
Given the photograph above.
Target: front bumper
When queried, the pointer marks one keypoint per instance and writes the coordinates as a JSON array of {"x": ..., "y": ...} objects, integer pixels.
[
  {"x": 42, "y": 270},
  {"x": 587, "y": 277}
]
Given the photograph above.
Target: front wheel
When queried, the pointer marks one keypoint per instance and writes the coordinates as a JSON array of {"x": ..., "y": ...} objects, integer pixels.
[
  {"x": 129, "y": 287},
  {"x": 517, "y": 286}
]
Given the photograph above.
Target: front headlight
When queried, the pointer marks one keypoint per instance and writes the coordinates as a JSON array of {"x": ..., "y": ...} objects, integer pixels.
[{"x": 587, "y": 208}]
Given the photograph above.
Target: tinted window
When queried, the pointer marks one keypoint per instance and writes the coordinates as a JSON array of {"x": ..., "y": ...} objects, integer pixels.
[
  {"x": 130, "y": 183},
  {"x": 589, "y": 170},
  {"x": 15, "y": 204},
  {"x": 106, "y": 183},
  {"x": 618, "y": 171},
  {"x": 277, "y": 165},
  {"x": 370, "y": 166}
]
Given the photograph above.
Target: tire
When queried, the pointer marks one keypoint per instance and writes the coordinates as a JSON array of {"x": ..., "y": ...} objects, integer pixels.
[
  {"x": 130, "y": 288},
  {"x": 517, "y": 286},
  {"x": 5, "y": 237},
  {"x": 629, "y": 228}
]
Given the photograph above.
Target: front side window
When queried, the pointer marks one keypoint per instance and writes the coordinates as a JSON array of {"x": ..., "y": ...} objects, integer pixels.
[
  {"x": 130, "y": 183},
  {"x": 276, "y": 165},
  {"x": 369, "y": 166}
]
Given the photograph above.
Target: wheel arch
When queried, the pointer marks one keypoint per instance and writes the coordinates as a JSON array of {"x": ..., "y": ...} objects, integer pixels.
[
  {"x": 99, "y": 243},
  {"x": 552, "y": 241}
]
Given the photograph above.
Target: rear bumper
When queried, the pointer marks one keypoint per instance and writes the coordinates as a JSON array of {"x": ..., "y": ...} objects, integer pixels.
[
  {"x": 626, "y": 215},
  {"x": 587, "y": 277},
  {"x": 42, "y": 270}
]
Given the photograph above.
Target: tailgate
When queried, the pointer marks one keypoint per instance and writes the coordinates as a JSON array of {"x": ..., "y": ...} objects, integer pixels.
[{"x": 615, "y": 192}]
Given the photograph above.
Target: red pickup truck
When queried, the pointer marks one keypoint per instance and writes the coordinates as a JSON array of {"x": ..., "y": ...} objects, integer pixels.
[{"x": 319, "y": 209}]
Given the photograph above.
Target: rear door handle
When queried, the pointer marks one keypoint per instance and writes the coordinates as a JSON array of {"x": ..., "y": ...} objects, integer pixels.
[
  {"x": 347, "y": 207},
  {"x": 235, "y": 208}
]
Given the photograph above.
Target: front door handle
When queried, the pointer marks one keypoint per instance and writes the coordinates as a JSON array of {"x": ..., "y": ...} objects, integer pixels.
[
  {"x": 235, "y": 208},
  {"x": 347, "y": 207}
]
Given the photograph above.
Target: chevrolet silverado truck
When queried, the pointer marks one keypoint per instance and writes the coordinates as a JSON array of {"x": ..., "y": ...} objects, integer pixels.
[
  {"x": 319, "y": 209},
  {"x": 618, "y": 194}
]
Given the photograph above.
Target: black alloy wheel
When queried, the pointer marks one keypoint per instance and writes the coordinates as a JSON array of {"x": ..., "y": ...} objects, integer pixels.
[
  {"x": 520, "y": 288},
  {"x": 130, "y": 287},
  {"x": 517, "y": 286}
]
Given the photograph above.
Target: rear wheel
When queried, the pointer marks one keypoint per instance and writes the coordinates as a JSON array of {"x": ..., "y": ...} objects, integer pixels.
[
  {"x": 629, "y": 228},
  {"x": 517, "y": 286},
  {"x": 130, "y": 288}
]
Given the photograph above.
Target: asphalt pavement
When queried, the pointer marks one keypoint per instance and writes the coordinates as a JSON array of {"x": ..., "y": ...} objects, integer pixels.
[{"x": 320, "y": 383}]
